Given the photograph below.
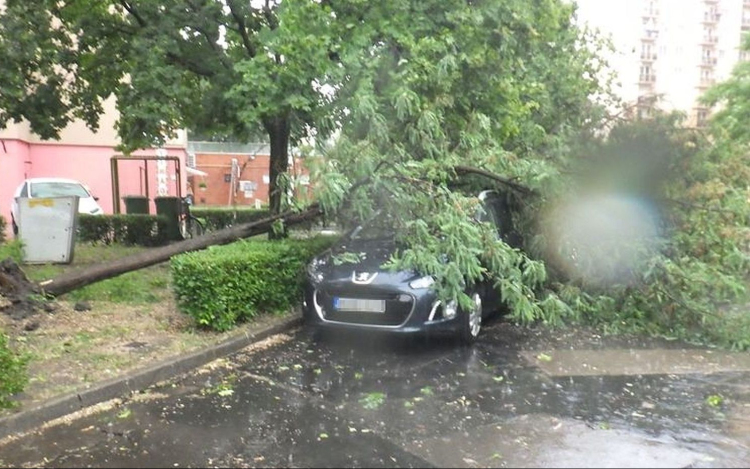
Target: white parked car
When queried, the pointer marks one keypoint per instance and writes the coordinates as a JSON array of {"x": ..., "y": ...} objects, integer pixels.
[{"x": 54, "y": 187}]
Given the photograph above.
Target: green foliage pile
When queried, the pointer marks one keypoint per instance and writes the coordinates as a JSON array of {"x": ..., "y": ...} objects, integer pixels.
[
  {"x": 13, "y": 376},
  {"x": 692, "y": 285},
  {"x": 224, "y": 285},
  {"x": 216, "y": 219},
  {"x": 128, "y": 230}
]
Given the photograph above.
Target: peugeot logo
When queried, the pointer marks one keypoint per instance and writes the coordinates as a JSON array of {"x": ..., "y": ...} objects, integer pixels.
[{"x": 363, "y": 278}]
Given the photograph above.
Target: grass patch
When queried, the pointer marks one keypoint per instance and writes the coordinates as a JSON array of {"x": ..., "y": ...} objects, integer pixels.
[{"x": 149, "y": 285}]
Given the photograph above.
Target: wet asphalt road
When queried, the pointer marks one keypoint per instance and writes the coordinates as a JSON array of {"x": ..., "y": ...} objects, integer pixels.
[{"x": 306, "y": 400}]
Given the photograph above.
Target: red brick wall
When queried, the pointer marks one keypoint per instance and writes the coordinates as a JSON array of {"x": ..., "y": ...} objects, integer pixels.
[{"x": 218, "y": 167}]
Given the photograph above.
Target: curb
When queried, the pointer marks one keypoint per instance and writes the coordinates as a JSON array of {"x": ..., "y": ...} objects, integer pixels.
[{"x": 135, "y": 380}]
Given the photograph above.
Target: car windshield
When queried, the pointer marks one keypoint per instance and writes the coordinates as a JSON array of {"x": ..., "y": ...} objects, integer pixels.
[
  {"x": 57, "y": 189},
  {"x": 380, "y": 227}
]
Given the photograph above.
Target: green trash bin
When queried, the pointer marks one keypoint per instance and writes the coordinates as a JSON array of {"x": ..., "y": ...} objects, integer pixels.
[
  {"x": 170, "y": 208},
  {"x": 136, "y": 204}
]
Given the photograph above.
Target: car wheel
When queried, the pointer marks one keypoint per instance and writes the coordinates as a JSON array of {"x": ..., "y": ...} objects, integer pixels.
[{"x": 471, "y": 320}]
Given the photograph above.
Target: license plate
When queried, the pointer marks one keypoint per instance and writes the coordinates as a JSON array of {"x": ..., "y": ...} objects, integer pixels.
[{"x": 359, "y": 305}]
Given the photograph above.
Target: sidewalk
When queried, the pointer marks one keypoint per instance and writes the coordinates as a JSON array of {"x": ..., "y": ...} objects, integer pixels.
[{"x": 26, "y": 419}]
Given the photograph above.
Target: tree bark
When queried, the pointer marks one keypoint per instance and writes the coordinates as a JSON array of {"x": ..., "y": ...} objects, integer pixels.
[
  {"x": 278, "y": 133},
  {"x": 70, "y": 281}
]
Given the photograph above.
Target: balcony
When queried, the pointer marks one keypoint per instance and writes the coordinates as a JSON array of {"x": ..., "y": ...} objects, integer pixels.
[
  {"x": 646, "y": 79},
  {"x": 648, "y": 57},
  {"x": 710, "y": 40},
  {"x": 708, "y": 61},
  {"x": 706, "y": 82},
  {"x": 650, "y": 35},
  {"x": 711, "y": 18}
]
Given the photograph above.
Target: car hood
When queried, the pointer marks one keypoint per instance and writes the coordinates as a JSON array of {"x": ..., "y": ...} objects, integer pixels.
[
  {"x": 88, "y": 205},
  {"x": 372, "y": 253}
]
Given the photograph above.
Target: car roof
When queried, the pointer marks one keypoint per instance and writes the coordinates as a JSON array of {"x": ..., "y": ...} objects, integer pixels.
[{"x": 38, "y": 180}]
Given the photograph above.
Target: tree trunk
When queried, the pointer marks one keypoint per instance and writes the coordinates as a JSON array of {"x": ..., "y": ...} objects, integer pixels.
[
  {"x": 278, "y": 133},
  {"x": 70, "y": 281}
]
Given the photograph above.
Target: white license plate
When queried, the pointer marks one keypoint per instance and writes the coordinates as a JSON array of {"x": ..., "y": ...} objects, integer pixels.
[{"x": 360, "y": 305}]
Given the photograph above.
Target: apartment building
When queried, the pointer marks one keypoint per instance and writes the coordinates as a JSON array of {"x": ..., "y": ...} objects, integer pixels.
[{"x": 669, "y": 52}]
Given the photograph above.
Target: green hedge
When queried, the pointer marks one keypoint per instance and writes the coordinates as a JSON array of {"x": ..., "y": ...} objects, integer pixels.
[
  {"x": 13, "y": 377},
  {"x": 224, "y": 285},
  {"x": 132, "y": 229},
  {"x": 217, "y": 218}
]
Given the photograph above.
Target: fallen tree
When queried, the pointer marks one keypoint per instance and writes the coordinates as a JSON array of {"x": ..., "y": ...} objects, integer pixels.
[
  {"x": 76, "y": 279},
  {"x": 16, "y": 287},
  {"x": 18, "y": 290}
]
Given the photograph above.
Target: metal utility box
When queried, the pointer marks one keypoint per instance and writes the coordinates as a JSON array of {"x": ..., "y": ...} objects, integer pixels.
[{"x": 47, "y": 228}]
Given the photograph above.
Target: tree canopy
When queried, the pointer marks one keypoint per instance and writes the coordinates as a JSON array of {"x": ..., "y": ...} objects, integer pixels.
[{"x": 225, "y": 67}]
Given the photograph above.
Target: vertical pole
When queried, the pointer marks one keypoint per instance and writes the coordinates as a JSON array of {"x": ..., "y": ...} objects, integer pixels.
[
  {"x": 115, "y": 185},
  {"x": 145, "y": 172}
]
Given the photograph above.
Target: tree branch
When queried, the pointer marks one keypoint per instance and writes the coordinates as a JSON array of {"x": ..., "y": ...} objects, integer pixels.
[
  {"x": 214, "y": 46},
  {"x": 461, "y": 169},
  {"x": 131, "y": 9},
  {"x": 176, "y": 59},
  {"x": 241, "y": 28}
]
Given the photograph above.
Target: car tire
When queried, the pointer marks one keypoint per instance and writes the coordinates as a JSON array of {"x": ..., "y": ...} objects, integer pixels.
[{"x": 471, "y": 320}]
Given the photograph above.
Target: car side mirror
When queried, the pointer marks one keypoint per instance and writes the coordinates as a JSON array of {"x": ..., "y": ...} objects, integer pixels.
[{"x": 96, "y": 198}]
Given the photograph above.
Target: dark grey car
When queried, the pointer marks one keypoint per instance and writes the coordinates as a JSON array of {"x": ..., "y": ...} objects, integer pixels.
[{"x": 365, "y": 296}]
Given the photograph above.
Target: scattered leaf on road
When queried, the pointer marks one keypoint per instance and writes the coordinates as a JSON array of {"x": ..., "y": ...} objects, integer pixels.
[
  {"x": 714, "y": 400},
  {"x": 372, "y": 400},
  {"x": 543, "y": 357}
]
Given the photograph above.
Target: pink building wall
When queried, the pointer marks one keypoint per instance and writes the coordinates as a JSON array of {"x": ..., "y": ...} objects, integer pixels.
[{"x": 88, "y": 164}]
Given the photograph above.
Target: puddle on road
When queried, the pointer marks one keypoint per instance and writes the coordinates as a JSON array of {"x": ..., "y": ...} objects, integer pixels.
[
  {"x": 636, "y": 362},
  {"x": 545, "y": 441}
]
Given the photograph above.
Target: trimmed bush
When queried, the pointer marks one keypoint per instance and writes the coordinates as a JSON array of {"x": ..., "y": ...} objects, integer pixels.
[
  {"x": 13, "y": 377},
  {"x": 224, "y": 285},
  {"x": 130, "y": 230},
  {"x": 214, "y": 219}
]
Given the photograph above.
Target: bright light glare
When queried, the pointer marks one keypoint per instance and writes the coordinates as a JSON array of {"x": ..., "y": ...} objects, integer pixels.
[{"x": 603, "y": 239}]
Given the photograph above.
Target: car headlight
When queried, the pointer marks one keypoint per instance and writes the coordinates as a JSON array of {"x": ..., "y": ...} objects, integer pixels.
[
  {"x": 422, "y": 282},
  {"x": 313, "y": 273}
]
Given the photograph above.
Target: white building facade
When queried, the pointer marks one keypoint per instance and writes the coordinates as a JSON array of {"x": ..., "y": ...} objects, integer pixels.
[{"x": 668, "y": 52}]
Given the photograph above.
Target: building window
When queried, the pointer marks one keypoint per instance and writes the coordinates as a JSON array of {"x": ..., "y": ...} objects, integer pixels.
[{"x": 701, "y": 117}]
